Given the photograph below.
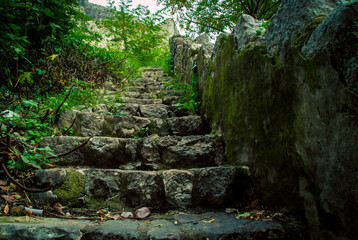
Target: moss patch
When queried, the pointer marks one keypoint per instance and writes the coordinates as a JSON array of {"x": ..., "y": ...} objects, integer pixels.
[
  {"x": 252, "y": 97},
  {"x": 72, "y": 189},
  {"x": 304, "y": 35}
]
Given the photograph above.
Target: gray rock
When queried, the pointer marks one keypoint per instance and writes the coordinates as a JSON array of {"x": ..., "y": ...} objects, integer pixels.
[
  {"x": 227, "y": 227},
  {"x": 66, "y": 118},
  {"x": 125, "y": 230},
  {"x": 142, "y": 213},
  {"x": 154, "y": 111},
  {"x": 103, "y": 184},
  {"x": 45, "y": 199},
  {"x": 202, "y": 39},
  {"x": 150, "y": 152},
  {"x": 99, "y": 151},
  {"x": 335, "y": 30},
  {"x": 140, "y": 101},
  {"x": 245, "y": 30},
  {"x": 127, "y": 215},
  {"x": 212, "y": 186},
  {"x": 289, "y": 19},
  {"x": 101, "y": 108},
  {"x": 194, "y": 151},
  {"x": 88, "y": 124},
  {"x": 132, "y": 94},
  {"x": 125, "y": 126},
  {"x": 190, "y": 125},
  {"x": 178, "y": 187},
  {"x": 63, "y": 144},
  {"x": 163, "y": 229},
  {"x": 50, "y": 176},
  {"x": 144, "y": 188},
  {"x": 159, "y": 126},
  {"x": 22, "y": 231},
  {"x": 132, "y": 148},
  {"x": 106, "y": 152}
]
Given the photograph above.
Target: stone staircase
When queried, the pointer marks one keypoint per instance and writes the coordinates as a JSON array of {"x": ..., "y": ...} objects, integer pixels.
[{"x": 143, "y": 152}]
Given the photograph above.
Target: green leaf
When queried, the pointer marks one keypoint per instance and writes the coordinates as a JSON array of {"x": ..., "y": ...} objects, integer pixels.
[
  {"x": 48, "y": 12},
  {"x": 30, "y": 103}
]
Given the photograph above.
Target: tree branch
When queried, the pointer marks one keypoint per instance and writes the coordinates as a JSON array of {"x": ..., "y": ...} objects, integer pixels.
[{"x": 72, "y": 150}]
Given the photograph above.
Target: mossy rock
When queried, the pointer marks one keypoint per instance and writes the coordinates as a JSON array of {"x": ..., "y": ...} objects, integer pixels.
[
  {"x": 304, "y": 35},
  {"x": 72, "y": 189}
]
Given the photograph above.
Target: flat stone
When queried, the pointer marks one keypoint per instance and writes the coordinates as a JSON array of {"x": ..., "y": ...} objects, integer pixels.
[
  {"x": 39, "y": 229},
  {"x": 124, "y": 109},
  {"x": 163, "y": 229},
  {"x": 187, "y": 125},
  {"x": 224, "y": 226},
  {"x": 154, "y": 111},
  {"x": 178, "y": 185},
  {"x": 99, "y": 151},
  {"x": 114, "y": 230},
  {"x": 140, "y": 101},
  {"x": 180, "y": 226}
]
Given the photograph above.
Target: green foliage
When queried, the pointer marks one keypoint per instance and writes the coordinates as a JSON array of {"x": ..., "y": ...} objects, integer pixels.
[
  {"x": 142, "y": 133},
  {"x": 27, "y": 27},
  {"x": 215, "y": 16},
  {"x": 190, "y": 99},
  {"x": 137, "y": 32}
]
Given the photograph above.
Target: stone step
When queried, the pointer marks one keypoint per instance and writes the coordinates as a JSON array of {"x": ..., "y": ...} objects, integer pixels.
[
  {"x": 178, "y": 226},
  {"x": 166, "y": 189},
  {"x": 147, "y": 122},
  {"x": 146, "y": 88},
  {"x": 149, "y": 153}
]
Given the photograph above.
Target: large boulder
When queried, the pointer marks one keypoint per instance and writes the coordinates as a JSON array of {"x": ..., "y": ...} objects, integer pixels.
[
  {"x": 290, "y": 18},
  {"x": 246, "y": 30}
]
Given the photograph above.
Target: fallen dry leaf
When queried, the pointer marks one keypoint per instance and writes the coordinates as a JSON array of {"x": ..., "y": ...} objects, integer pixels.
[
  {"x": 209, "y": 221},
  {"x": 27, "y": 218},
  {"x": 113, "y": 216},
  {"x": 3, "y": 183},
  {"x": 4, "y": 188},
  {"x": 6, "y": 209},
  {"x": 29, "y": 212},
  {"x": 13, "y": 186},
  {"x": 10, "y": 198}
]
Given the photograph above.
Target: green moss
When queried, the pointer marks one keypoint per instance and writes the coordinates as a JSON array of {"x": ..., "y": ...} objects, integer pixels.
[
  {"x": 252, "y": 97},
  {"x": 116, "y": 203},
  {"x": 303, "y": 36},
  {"x": 72, "y": 189}
]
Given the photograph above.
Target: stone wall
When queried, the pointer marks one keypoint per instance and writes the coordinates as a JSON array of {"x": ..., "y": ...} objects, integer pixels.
[{"x": 287, "y": 105}]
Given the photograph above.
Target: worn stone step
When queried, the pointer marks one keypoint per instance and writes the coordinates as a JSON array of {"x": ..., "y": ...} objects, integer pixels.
[
  {"x": 166, "y": 189},
  {"x": 147, "y": 88},
  {"x": 178, "y": 226},
  {"x": 145, "y": 153},
  {"x": 128, "y": 121}
]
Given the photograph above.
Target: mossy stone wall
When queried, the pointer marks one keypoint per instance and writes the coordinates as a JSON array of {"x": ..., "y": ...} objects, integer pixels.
[{"x": 293, "y": 124}]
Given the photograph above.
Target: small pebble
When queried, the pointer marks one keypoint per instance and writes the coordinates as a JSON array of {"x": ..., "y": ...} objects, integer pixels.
[
  {"x": 127, "y": 215},
  {"x": 142, "y": 212}
]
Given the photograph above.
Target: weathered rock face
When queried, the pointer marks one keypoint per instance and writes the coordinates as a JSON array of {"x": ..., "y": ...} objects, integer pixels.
[
  {"x": 294, "y": 122},
  {"x": 289, "y": 19},
  {"x": 184, "y": 52},
  {"x": 246, "y": 31}
]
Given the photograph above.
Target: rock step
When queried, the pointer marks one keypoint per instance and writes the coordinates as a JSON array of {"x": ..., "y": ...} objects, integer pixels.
[
  {"x": 179, "y": 226},
  {"x": 150, "y": 121},
  {"x": 144, "y": 153},
  {"x": 147, "y": 88},
  {"x": 166, "y": 189}
]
